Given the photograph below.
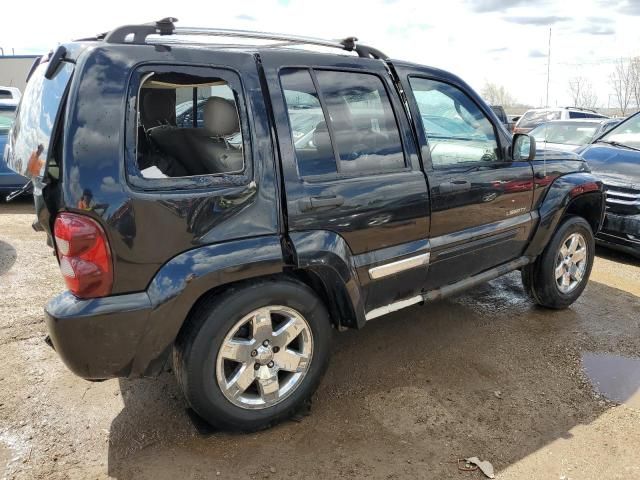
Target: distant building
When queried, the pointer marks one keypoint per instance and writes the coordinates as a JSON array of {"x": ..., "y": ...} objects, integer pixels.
[{"x": 14, "y": 70}]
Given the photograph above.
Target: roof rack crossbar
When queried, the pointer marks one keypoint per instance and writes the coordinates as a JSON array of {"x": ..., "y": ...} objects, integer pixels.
[
  {"x": 137, "y": 34},
  {"x": 584, "y": 109}
]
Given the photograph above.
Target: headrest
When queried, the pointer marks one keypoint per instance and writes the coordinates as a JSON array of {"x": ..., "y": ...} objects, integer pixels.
[
  {"x": 220, "y": 117},
  {"x": 322, "y": 140},
  {"x": 158, "y": 107}
]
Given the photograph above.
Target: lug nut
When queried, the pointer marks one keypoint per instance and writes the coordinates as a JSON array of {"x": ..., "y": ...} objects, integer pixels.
[
  {"x": 254, "y": 353},
  {"x": 270, "y": 364},
  {"x": 265, "y": 343},
  {"x": 256, "y": 366},
  {"x": 276, "y": 349}
]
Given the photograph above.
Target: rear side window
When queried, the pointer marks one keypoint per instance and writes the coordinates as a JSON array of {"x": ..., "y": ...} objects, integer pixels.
[
  {"x": 578, "y": 115},
  {"x": 309, "y": 131},
  {"x": 188, "y": 124},
  {"x": 363, "y": 125},
  {"x": 31, "y": 135},
  {"x": 348, "y": 127}
]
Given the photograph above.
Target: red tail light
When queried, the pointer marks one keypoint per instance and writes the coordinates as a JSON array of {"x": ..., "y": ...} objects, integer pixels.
[{"x": 84, "y": 255}]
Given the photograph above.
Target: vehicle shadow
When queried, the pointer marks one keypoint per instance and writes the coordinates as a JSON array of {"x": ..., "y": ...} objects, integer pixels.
[
  {"x": 19, "y": 205},
  {"x": 616, "y": 256},
  {"x": 8, "y": 256},
  {"x": 484, "y": 374}
]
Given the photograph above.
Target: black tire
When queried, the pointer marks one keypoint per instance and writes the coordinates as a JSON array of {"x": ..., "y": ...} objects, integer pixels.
[
  {"x": 539, "y": 277},
  {"x": 197, "y": 347}
]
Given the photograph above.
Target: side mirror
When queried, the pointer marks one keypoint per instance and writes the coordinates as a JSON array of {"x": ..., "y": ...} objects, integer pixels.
[{"x": 523, "y": 147}]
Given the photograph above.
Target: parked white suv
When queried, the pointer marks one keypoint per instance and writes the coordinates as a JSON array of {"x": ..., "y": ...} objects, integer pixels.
[{"x": 536, "y": 116}]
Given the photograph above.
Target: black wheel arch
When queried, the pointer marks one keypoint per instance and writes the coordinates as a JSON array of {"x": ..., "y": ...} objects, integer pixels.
[{"x": 579, "y": 194}]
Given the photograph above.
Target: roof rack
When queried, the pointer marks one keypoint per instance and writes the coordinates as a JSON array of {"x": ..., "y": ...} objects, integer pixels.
[
  {"x": 137, "y": 34},
  {"x": 581, "y": 109}
]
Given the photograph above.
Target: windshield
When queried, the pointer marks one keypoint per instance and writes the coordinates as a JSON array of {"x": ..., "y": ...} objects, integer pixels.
[
  {"x": 30, "y": 136},
  {"x": 535, "y": 117},
  {"x": 627, "y": 133},
  {"x": 565, "y": 133}
]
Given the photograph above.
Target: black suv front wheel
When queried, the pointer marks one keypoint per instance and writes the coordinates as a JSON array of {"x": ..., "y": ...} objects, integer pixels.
[
  {"x": 559, "y": 275},
  {"x": 252, "y": 356}
]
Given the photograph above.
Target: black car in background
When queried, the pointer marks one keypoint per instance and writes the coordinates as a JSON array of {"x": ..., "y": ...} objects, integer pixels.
[{"x": 615, "y": 158}]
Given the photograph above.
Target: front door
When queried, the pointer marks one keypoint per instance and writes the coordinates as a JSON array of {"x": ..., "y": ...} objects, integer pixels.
[
  {"x": 351, "y": 168},
  {"x": 480, "y": 198}
]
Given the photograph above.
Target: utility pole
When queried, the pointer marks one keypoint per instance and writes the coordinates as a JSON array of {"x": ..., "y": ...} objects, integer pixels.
[{"x": 548, "y": 68}]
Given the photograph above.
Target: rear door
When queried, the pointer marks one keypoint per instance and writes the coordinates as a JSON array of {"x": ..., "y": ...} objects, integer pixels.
[
  {"x": 480, "y": 198},
  {"x": 350, "y": 167}
]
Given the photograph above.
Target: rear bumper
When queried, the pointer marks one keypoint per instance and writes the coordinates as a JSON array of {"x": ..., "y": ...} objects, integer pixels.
[
  {"x": 621, "y": 232},
  {"x": 101, "y": 338}
]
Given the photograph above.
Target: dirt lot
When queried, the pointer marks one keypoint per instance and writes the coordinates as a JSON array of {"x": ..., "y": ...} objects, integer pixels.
[{"x": 484, "y": 374}]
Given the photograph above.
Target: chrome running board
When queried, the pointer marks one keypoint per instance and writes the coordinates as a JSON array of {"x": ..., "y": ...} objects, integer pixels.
[{"x": 452, "y": 289}]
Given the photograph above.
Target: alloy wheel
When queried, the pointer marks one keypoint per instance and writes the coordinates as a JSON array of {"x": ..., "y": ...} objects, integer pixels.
[
  {"x": 571, "y": 263},
  {"x": 264, "y": 357}
]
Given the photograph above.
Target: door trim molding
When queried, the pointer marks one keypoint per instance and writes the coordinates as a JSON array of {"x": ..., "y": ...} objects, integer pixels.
[
  {"x": 392, "y": 307},
  {"x": 392, "y": 268}
]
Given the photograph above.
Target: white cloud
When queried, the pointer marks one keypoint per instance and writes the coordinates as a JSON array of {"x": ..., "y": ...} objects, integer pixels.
[{"x": 472, "y": 38}]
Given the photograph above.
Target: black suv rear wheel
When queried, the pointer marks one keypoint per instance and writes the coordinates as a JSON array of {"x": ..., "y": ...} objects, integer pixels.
[
  {"x": 559, "y": 275},
  {"x": 250, "y": 357}
]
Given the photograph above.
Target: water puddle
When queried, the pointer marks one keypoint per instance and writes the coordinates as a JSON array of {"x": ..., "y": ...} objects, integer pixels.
[{"x": 613, "y": 376}]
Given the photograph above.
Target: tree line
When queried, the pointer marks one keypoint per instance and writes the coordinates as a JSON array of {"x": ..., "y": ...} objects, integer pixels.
[{"x": 624, "y": 81}]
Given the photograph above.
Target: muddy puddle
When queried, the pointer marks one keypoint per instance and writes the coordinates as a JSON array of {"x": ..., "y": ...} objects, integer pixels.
[{"x": 615, "y": 377}]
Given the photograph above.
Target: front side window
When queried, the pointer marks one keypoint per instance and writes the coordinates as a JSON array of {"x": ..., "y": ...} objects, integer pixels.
[
  {"x": 355, "y": 132},
  {"x": 188, "y": 124},
  {"x": 457, "y": 130}
]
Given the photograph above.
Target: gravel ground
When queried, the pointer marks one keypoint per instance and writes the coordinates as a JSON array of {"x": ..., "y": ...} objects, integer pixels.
[{"x": 484, "y": 374}]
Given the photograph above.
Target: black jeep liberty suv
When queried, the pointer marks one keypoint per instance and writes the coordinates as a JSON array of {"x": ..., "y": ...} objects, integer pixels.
[{"x": 225, "y": 206}]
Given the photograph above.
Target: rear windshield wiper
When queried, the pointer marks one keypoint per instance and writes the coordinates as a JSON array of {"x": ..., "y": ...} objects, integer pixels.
[
  {"x": 618, "y": 144},
  {"x": 24, "y": 189}
]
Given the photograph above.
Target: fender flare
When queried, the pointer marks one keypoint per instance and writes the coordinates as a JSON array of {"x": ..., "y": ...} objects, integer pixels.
[
  {"x": 180, "y": 283},
  {"x": 327, "y": 255},
  {"x": 564, "y": 191}
]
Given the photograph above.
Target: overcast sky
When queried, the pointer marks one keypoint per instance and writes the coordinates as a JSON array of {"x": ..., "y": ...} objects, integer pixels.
[{"x": 501, "y": 41}]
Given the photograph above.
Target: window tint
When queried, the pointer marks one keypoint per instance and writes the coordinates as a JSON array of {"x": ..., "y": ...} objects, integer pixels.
[
  {"x": 456, "y": 129},
  {"x": 175, "y": 142},
  {"x": 314, "y": 152},
  {"x": 363, "y": 125}
]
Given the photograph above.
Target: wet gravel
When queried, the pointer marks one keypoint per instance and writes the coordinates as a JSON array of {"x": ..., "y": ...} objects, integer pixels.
[{"x": 484, "y": 374}]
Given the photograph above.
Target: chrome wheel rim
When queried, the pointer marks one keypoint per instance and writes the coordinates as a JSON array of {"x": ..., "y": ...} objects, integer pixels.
[
  {"x": 571, "y": 263},
  {"x": 264, "y": 357}
]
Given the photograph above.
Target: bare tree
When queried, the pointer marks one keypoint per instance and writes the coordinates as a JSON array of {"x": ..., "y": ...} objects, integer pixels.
[
  {"x": 497, "y": 95},
  {"x": 634, "y": 64},
  {"x": 575, "y": 89},
  {"x": 582, "y": 93},
  {"x": 622, "y": 82}
]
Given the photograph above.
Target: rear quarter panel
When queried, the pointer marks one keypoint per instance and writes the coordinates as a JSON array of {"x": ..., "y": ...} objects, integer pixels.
[{"x": 148, "y": 228}]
